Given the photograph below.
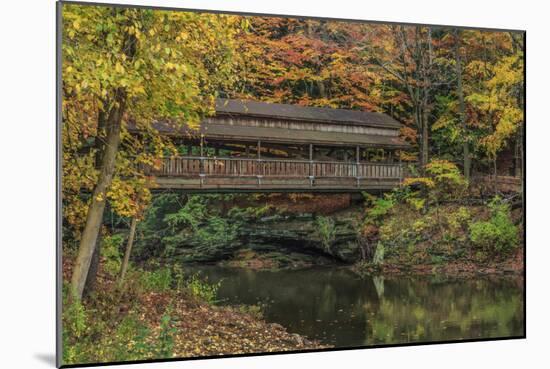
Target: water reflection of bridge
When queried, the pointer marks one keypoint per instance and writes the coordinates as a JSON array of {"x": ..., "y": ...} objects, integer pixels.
[{"x": 250, "y": 145}]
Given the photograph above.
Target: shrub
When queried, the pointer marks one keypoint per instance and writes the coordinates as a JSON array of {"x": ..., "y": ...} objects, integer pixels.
[
  {"x": 380, "y": 207},
  {"x": 420, "y": 225},
  {"x": 130, "y": 340},
  {"x": 443, "y": 181},
  {"x": 165, "y": 342},
  {"x": 74, "y": 328},
  {"x": 498, "y": 234},
  {"x": 458, "y": 222},
  {"x": 158, "y": 280},
  {"x": 416, "y": 203},
  {"x": 326, "y": 230},
  {"x": 459, "y": 219},
  {"x": 203, "y": 289},
  {"x": 198, "y": 231},
  {"x": 110, "y": 251}
]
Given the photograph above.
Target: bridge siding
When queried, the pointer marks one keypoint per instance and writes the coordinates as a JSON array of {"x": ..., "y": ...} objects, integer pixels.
[{"x": 275, "y": 174}]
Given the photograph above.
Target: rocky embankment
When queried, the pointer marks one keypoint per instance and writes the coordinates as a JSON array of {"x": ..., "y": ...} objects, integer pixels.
[{"x": 301, "y": 233}]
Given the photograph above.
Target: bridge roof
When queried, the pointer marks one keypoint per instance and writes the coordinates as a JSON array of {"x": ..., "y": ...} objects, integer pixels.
[
  {"x": 304, "y": 113},
  {"x": 217, "y": 130},
  {"x": 224, "y": 132}
]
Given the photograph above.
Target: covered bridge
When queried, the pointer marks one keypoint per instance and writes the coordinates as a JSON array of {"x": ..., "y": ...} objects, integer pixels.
[{"x": 250, "y": 145}]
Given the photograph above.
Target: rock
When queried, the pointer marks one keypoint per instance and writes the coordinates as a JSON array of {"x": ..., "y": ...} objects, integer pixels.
[
  {"x": 278, "y": 327},
  {"x": 299, "y": 233},
  {"x": 298, "y": 339}
]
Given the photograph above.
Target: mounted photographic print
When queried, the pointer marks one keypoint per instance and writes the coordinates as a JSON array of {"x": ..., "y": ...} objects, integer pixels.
[{"x": 239, "y": 184}]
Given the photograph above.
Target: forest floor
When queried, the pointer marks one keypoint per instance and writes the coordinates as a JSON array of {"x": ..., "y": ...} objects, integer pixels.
[{"x": 188, "y": 325}]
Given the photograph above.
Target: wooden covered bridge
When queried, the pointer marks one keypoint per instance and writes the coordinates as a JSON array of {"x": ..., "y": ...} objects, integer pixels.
[{"x": 256, "y": 146}]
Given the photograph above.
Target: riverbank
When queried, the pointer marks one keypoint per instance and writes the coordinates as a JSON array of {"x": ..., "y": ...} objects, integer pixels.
[
  {"x": 454, "y": 239},
  {"x": 402, "y": 240},
  {"x": 336, "y": 307},
  {"x": 161, "y": 314},
  {"x": 275, "y": 260},
  {"x": 464, "y": 268}
]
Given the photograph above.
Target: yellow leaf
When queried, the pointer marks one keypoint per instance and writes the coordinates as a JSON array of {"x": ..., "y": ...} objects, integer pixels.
[{"x": 119, "y": 68}]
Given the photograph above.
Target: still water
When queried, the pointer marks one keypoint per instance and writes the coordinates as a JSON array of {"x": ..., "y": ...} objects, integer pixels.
[{"x": 336, "y": 307}]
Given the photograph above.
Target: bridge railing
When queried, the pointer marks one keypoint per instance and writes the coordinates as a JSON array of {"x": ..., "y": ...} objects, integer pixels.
[{"x": 189, "y": 166}]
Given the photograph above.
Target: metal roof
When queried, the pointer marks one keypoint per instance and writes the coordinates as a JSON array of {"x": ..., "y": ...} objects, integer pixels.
[
  {"x": 279, "y": 135},
  {"x": 224, "y": 107},
  {"x": 304, "y": 113}
]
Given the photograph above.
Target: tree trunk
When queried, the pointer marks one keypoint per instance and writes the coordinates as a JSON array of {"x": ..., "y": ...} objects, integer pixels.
[
  {"x": 99, "y": 145},
  {"x": 420, "y": 140},
  {"x": 425, "y": 67},
  {"x": 128, "y": 251},
  {"x": 425, "y": 136},
  {"x": 467, "y": 161},
  {"x": 90, "y": 284},
  {"x": 94, "y": 216}
]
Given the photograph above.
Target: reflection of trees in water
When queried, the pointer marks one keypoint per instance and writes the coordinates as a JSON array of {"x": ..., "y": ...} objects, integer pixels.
[
  {"x": 379, "y": 285},
  {"x": 335, "y": 305},
  {"x": 428, "y": 310}
]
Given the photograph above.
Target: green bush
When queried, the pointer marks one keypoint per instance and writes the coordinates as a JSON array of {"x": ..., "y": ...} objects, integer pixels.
[
  {"x": 199, "y": 231},
  {"x": 443, "y": 181},
  {"x": 380, "y": 207},
  {"x": 326, "y": 230},
  {"x": 74, "y": 328},
  {"x": 165, "y": 342},
  {"x": 498, "y": 235},
  {"x": 110, "y": 251},
  {"x": 130, "y": 340},
  {"x": 202, "y": 289},
  {"x": 158, "y": 280},
  {"x": 459, "y": 219}
]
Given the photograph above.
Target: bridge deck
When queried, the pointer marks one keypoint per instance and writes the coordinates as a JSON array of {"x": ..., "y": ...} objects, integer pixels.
[{"x": 208, "y": 173}]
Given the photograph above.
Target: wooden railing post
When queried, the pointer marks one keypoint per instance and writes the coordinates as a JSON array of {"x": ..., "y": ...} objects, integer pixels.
[
  {"x": 357, "y": 160},
  {"x": 311, "y": 174},
  {"x": 400, "y": 170},
  {"x": 258, "y": 166},
  {"x": 201, "y": 163}
]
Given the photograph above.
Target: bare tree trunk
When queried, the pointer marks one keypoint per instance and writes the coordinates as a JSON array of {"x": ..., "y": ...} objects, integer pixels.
[
  {"x": 99, "y": 144},
  {"x": 425, "y": 137},
  {"x": 128, "y": 251},
  {"x": 426, "y": 65},
  {"x": 91, "y": 278},
  {"x": 97, "y": 203},
  {"x": 467, "y": 161}
]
